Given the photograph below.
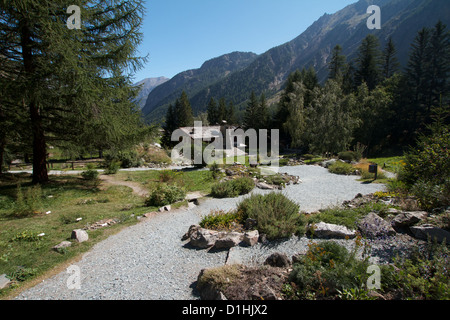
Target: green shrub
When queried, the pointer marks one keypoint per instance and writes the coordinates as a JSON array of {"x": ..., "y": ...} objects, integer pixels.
[
  {"x": 347, "y": 156},
  {"x": 112, "y": 167},
  {"x": 90, "y": 175},
  {"x": 219, "y": 220},
  {"x": 277, "y": 216},
  {"x": 28, "y": 202},
  {"x": 25, "y": 236},
  {"x": 424, "y": 275},
  {"x": 341, "y": 168},
  {"x": 427, "y": 169},
  {"x": 308, "y": 156},
  {"x": 233, "y": 188},
  {"x": 164, "y": 195},
  {"x": 22, "y": 274},
  {"x": 215, "y": 170},
  {"x": 431, "y": 195},
  {"x": 129, "y": 159},
  {"x": 326, "y": 269}
]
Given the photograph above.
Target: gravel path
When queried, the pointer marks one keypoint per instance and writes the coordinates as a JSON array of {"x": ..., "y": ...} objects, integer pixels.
[{"x": 149, "y": 261}]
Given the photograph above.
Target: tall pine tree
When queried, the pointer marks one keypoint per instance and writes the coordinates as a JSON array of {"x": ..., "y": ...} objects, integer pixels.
[
  {"x": 367, "y": 62},
  {"x": 390, "y": 62},
  {"x": 69, "y": 76},
  {"x": 337, "y": 63}
]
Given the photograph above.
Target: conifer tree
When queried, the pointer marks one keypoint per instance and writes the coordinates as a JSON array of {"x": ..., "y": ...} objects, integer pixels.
[
  {"x": 390, "y": 61},
  {"x": 231, "y": 114},
  {"x": 69, "y": 76},
  {"x": 183, "y": 111},
  {"x": 336, "y": 66},
  {"x": 212, "y": 112},
  {"x": 416, "y": 74},
  {"x": 222, "y": 112},
  {"x": 368, "y": 61},
  {"x": 252, "y": 113},
  {"x": 439, "y": 68}
]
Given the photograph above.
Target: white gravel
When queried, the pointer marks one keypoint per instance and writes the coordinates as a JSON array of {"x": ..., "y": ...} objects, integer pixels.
[{"x": 149, "y": 261}]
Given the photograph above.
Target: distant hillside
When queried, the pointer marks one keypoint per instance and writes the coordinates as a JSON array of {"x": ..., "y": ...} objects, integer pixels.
[
  {"x": 401, "y": 19},
  {"x": 148, "y": 85},
  {"x": 193, "y": 81}
]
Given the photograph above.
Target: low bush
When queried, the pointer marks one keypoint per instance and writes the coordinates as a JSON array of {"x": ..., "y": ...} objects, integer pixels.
[
  {"x": 233, "y": 188},
  {"x": 90, "y": 175},
  {"x": 326, "y": 269},
  {"x": 427, "y": 169},
  {"x": 220, "y": 220},
  {"x": 276, "y": 215},
  {"x": 341, "y": 168},
  {"x": 28, "y": 202},
  {"x": 112, "y": 167},
  {"x": 347, "y": 156},
  {"x": 424, "y": 275},
  {"x": 164, "y": 195}
]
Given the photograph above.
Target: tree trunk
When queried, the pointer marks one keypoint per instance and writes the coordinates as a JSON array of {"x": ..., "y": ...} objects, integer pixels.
[{"x": 40, "y": 174}]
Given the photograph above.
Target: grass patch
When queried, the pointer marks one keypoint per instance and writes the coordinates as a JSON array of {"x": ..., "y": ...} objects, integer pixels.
[
  {"x": 191, "y": 181},
  {"x": 391, "y": 164},
  {"x": 26, "y": 255}
]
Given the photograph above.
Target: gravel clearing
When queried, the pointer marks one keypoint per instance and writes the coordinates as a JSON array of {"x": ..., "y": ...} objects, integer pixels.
[{"x": 149, "y": 261}]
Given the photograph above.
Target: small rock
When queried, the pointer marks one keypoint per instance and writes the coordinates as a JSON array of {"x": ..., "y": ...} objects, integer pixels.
[
  {"x": 80, "y": 235},
  {"x": 278, "y": 260},
  {"x": 62, "y": 245},
  {"x": 407, "y": 219},
  {"x": 264, "y": 186},
  {"x": 251, "y": 238},
  {"x": 4, "y": 281},
  {"x": 331, "y": 231},
  {"x": 165, "y": 208}
]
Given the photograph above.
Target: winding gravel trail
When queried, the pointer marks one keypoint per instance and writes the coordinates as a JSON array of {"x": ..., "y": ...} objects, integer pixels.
[{"x": 149, "y": 261}]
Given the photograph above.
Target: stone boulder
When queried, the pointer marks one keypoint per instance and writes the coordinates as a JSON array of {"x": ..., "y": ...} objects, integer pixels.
[
  {"x": 425, "y": 231},
  {"x": 80, "y": 235},
  {"x": 328, "y": 163},
  {"x": 227, "y": 240},
  {"x": 324, "y": 230},
  {"x": 407, "y": 219},
  {"x": 251, "y": 238},
  {"x": 203, "y": 238},
  {"x": 191, "y": 230},
  {"x": 373, "y": 227}
]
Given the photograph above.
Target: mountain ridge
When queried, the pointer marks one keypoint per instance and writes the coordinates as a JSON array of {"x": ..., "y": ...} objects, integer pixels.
[
  {"x": 192, "y": 81},
  {"x": 401, "y": 20}
]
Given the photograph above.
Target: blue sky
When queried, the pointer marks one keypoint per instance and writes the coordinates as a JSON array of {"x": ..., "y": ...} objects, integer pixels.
[{"x": 182, "y": 34}]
